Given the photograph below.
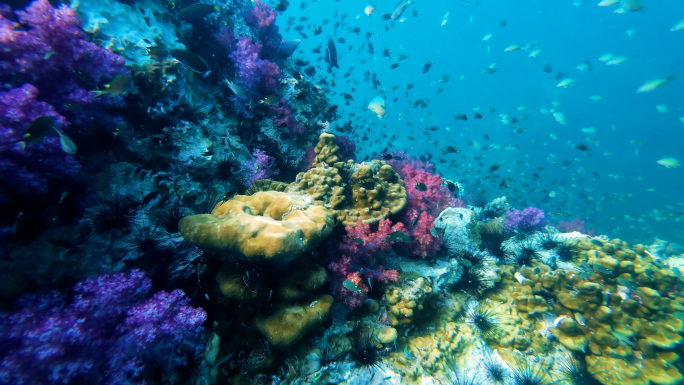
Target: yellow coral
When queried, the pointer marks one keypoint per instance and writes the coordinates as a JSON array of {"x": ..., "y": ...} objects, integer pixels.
[
  {"x": 267, "y": 226},
  {"x": 290, "y": 324}
]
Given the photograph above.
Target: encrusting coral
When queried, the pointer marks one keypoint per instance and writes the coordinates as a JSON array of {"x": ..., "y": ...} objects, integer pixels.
[{"x": 266, "y": 226}]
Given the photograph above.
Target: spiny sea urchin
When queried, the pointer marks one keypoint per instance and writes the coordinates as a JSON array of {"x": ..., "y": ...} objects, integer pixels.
[
  {"x": 224, "y": 167},
  {"x": 471, "y": 254},
  {"x": 495, "y": 369},
  {"x": 113, "y": 215},
  {"x": 146, "y": 241},
  {"x": 168, "y": 219},
  {"x": 575, "y": 372},
  {"x": 548, "y": 241},
  {"x": 474, "y": 280},
  {"x": 366, "y": 352},
  {"x": 327, "y": 354},
  {"x": 483, "y": 319},
  {"x": 524, "y": 257},
  {"x": 525, "y": 374},
  {"x": 567, "y": 251}
]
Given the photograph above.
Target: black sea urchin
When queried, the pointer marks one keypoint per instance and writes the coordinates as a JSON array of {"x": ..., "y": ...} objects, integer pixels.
[
  {"x": 575, "y": 372},
  {"x": 525, "y": 374},
  {"x": 146, "y": 241},
  {"x": 470, "y": 254},
  {"x": 168, "y": 219},
  {"x": 474, "y": 280},
  {"x": 464, "y": 378},
  {"x": 495, "y": 369},
  {"x": 524, "y": 256},
  {"x": 566, "y": 251},
  {"x": 327, "y": 354},
  {"x": 483, "y": 319},
  {"x": 548, "y": 241},
  {"x": 224, "y": 167},
  {"x": 366, "y": 352},
  {"x": 113, "y": 215}
]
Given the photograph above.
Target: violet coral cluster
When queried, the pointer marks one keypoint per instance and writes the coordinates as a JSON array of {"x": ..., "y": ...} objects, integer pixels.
[
  {"x": 529, "y": 219},
  {"x": 115, "y": 331},
  {"x": 258, "y": 77},
  {"x": 263, "y": 166}
]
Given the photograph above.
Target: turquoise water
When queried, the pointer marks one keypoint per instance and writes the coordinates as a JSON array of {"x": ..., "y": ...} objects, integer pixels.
[{"x": 616, "y": 187}]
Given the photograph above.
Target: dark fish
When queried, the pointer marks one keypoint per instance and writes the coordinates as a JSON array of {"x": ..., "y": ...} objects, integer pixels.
[
  {"x": 420, "y": 186},
  {"x": 387, "y": 16},
  {"x": 317, "y": 30},
  {"x": 368, "y": 185},
  {"x": 149, "y": 197},
  {"x": 387, "y": 156},
  {"x": 331, "y": 55},
  {"x": 547, "y": 69},
  {"x": 282, "y": 5},
  {"x": 399, "y": 9},
  {"x": 451, "y": 186},
  {"x": 196, "y": 63},
  {"x": 450, "y": 150},
  {"x": 310, "y": 71},
  {"x": 394, "y": 66},
  {"x": 560, "y": 75},
  {"x": 197, "y": 11},
  {"x": 461, "y": 117},
  {"x": 39, "y": 128},
  {"x": 496, "y": 166},
  {"x": 300, "y": 62},
  {"x": 398, "y": 236},
  {"x": 504, "y": 23},
  {"x": 358, "y": 241},
  {"x": 478, "y": 115},
  {"x": 582, "y": 147},
  {"x": 287, "y": 48},
  {"x": 427, "y": 66}
]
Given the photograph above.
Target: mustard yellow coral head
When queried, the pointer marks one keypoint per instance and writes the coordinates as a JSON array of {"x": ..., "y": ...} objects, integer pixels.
[{"x": 269, "y": 226}]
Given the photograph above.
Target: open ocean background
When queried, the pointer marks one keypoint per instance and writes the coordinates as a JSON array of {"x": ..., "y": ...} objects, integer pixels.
[{"x": 616, "y": 187}]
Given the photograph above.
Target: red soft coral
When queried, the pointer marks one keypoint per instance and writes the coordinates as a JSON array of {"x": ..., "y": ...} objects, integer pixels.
[{"x": 423, "y": 243}]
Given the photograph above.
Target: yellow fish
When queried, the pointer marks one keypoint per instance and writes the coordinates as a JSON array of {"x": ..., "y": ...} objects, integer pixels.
[
  {"x": 121, "y": 84},
  {"x": 377, "y": 105},
  {"x": 655, "y": 83},
  {"x": 669, "y": 163}
]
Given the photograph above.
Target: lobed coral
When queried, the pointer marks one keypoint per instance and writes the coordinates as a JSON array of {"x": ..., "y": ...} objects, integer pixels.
[{"x": 267, "y": 226}]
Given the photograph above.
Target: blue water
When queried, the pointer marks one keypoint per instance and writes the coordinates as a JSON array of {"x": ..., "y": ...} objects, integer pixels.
[{"x": 615, "y": 187}]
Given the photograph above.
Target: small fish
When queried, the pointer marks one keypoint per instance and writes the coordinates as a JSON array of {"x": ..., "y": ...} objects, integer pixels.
[
  {"x": 331, "y": 55},
  {"x": 313, "y": 304},
  {"x": 626, "y": 283},
  {"x": 351, "y": 286},
  {"x": 565, "y": 83},
  {"x": 399, "y": 9},
  {"x": 433, "y": 232},
  {"x": 236, "y": 88},
  {"x": 368, "y": 185},
  {"x": 655, "y": 83},
  {"x": 39, "y": 128},
  {"x": 450, "y": 150},
  {"x": 669, "y": 162},
  {"x": 519, "y": 277},
  {"x": 678, "y": 27},
  {"x": 496, "y": 166},
  {"x": 420, "y": 186},
  {"x": 121, "y": 84},
  {"x": 368, "y": 10},
  {"x": 270, "y": 100},
  {"x": 377, "y": 106},
  {"x": 622, "y": 337},
  {"x": 603, "y": 270},
  {"x": 582, "y": 147},
  {"x": 68, "y": 145},
  {"x": 298, "y": 240},
  {"x": 406, "y": 352},
  {"x": 580, "y": 319},
  {"x": 465, "y": 263},
  {"x": 198, "y": 11},
  {"x": 398, "y": 236},
  {"x": 287, "y": 48},
  {"x": 358, "y": 241},
  {"x": 194, "y": 62},
  {"x": 156, "y": 52},
  {"x": 427, "y": 66},
  {"x": 512, "y": 48}
]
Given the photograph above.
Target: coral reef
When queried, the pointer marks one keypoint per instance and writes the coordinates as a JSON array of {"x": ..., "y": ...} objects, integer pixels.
[{"x": 529, "y": 219}]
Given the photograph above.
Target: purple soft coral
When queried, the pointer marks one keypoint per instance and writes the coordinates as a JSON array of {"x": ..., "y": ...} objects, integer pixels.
[
  {"x": 27, "y": 170},
  {"x": 263, "y": 18},
  {"x": 112, "y": 333},
  {"x": 262, "y": 167},
  {"x": 529, "y": 219},
  {"x": 258, "y": 77},
  {"x": 46, "y": 48}
]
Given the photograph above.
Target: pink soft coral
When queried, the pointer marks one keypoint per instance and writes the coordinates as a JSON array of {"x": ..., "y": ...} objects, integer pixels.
[{"x": 282, "y": 116}]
